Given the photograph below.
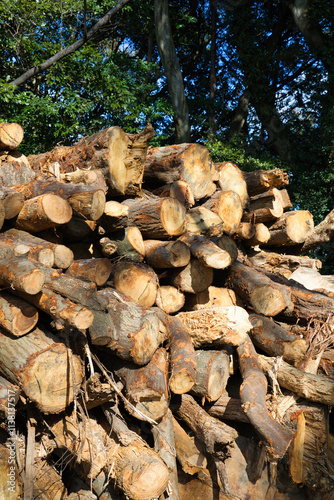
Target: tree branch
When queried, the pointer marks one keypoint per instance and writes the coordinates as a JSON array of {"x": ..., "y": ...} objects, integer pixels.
[{"x": 72, "y": 48}]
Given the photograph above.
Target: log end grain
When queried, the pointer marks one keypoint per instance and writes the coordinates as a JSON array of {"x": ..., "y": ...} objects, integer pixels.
[
  {"x": 32, "y": 282},
  {"x": 63, "y": 256},
  {"x": 172, "y": 215},
  {"x": 11, "y": 136},
  {"x": 267, "y": 300}
]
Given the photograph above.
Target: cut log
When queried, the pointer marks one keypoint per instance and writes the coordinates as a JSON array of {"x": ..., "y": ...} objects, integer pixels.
[
  {"x": 228, "y": 244},
  {"x": 230, "y": 177},
  {"x": 265, "y": 296},
  {"x": 212, "y": 373},
  {"x": 275, "y": 340},
  {"x": 63, "y": 256},
  {"x": 194, "y": 278},
  {"x": 17, "y": 316},
  {"x": 31, "y": 362},
  {"x": 157, "y": 218},
  {"x": 96, "y": 270},
  {"x": 166, "y": 254},
  {"x": 264, "y": 207},
  {"x": 212, "y": 297},
  {"x": 204, "y": 222},
  {"x": 187, "y": 162},
  {"x": 206, "y": 251},
  {"x": 34, "y": 250},
  {"x": 14, "y": 169},
  {"x": 11, "y": 136},
  {"x": 322, "y": 233},
  {"x": 253, "y": 396},
  {"x": 114, "y": 217},
  {"x": 21, "y": 274},
  {"x": 260, "y": 181},
  {"x": 246, "y": 231},
  {"x": 291, "y": 228},
  {"x": 108, "y": 247},
  {"x": 169, "y": 299},
  {"x": 137, "y": 281},
  {"x": 2, "y": 214},
  {"x": 261, "y": 236},
  {"x": 284, "y": 264},
  {"x": 228, "y": 206},
  {"x": 180, "y": 190},
  {"x": 12, "y": 201},
  {"x": 88, "y": 177},
  {"x": 313, "y": 280},
  {"x": 227, "y": 408},
  {"x": 217, "y": 326},
  {"x": 146, "y": 387},
  {"x": 128, "y": 242},
  {"x": 188, "y": 455},
  {"x": 9, "y": 396},
  {"x": 182, "y": 357},
  {"x": 43, "y": 212},
  {"x": 86, "y": 201}
]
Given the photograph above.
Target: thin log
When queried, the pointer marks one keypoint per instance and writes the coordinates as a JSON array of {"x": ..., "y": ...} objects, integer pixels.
[
  {"x": 264, "y": 207},
  {"x": 228, "y": 206},
  {"x": 260, "y": 181},
  {"x": 43, "y": 212},
  {"x": 169, "y": 299},
  {"x": 217, "y": 326},
  {"x": 166, "y": 254},
  {"x": 253, "y": 396},
  {"x": 109, "y": 247},
  {"x": 291, "y": 228},
  {"x": 31, "y": 362},
  {"x": 136, "y": 280},
  {"x": 212, "y": 373},
  {"x": 95, "y": 270},
  {"x": 11, "y": 136},
  {"x": 11, "y": 200},
  {"x": 193, "y": 278},
  {"x": 17, "y": 316},
  {"x": 230, "y": 177},
  {"x": 206, "y": 251},
  {"x": 187, "y": 162},
  {"x": 261, "y": 236},
  {"x": 246, "y": 230},
  {"x": 180, "y": 190},
  {"x": 129, "y": 244}
]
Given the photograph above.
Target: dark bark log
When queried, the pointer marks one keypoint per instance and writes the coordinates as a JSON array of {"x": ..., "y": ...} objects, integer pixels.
[{"x": 43, "y": 212}]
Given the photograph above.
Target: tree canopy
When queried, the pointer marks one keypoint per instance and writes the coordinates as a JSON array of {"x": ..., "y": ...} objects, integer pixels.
[{"x": 257, "y": 80}]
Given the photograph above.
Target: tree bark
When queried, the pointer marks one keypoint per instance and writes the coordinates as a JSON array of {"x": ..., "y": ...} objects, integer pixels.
[
  {"x": 95, "y": 270},
  {"x": 204, "y": 222},
  {"x": 291, "y": 229},
  {"x": 264, "y": 207},
  {"x": 260, "y": 181},
  {"x": 21, "y": 274},
  {"x": 188, "y": 455},
  {"x": 166, "y": 254}
]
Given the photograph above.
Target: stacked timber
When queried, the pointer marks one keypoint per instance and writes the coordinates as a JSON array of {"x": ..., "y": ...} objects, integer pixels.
[{"x": 163, "y": 332}]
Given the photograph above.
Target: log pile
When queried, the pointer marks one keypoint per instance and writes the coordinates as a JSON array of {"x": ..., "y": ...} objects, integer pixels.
[{"x": 164, "y": 333}]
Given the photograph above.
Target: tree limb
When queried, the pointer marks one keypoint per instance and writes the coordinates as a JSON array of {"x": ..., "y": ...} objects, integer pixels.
[{"x": 72, "y": 48}]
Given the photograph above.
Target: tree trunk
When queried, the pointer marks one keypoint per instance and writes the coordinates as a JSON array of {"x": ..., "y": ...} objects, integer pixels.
[
  {"x": 204, "y": 222},
  {"x": 15, "y": 169},
  {"x": 21, "y": 274},
  {"x": 11, "y": 136},
  {"x": 35, "y": 250},
  {"x": 264, "y": 207},
  {"x": 43, "y": 212},
  {"x": 172, "y": 70}
]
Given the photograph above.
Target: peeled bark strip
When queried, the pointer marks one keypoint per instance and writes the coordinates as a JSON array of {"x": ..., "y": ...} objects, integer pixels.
[
  {"x": 158, "y": 218},
  {"x": 212, "y": 373},
  {"x": 188, "y": 455},
  {"x": 204, "y": 222},
  {"x": 128, "y": 242},
  {"x": 265, "y": 296},
  {"x": 11, "y": 135},
  {"x": 194, "y": 278},
  {"x": 230, "y": 177},
  {"x": 12, "y": 201},
  {"x": 228, "y": 206},
  {"x": 187, "y": 162},
  {"x": 291, "y": 228},
  {"x": 169, "y": 299},
  {"x": 260, "y": 181},
  {"x": 166, "y": 254},
  {"x": 212, "y": 297},
  {"x": 96, "y": 270},
  {"x": 33, "y": 360},
  {"x": 217, "y": 326},
  {"x": 206, "y": 251},
  {"x": 276, "y": 340},
  {"x": 43, "y": 212},
  {"x": 264, "y": 207},
  {"x": 146, "y": 387},
  {"x": 21, "y": 274},
  {"x": 136, "y": 280},
  {"x": 312, "y": 387},
  {"x": 182, "y": 357},
  {"x": 17, "y": 316},
  {"x": 253, "y": 396},
  {"x": 133, "y": 332},
  {"x": 216, "y": 435}
]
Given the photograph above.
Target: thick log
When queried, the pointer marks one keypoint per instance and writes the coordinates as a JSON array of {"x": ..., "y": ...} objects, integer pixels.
[
  {"x": 114, "y": 217},
  {"x": 275, "y": 340},
  {"x": 138, "y": 281},
  {"x": 264, "y": 207},
  {"x": 230, "y": 177},
  {"x": 212, "y": 297},
  {"x": 284, "y": 264},
  {"x": 217, "y": 436},
  {"x": 228, "y": 206},
  {"x": 33, "y": 250},
  {"x": 10, "y": 481},
  {"x": 169, "y": 299},
  {"x": 187, "y": 162},
  {"x": 17, "y": 316},
  {"x": 63, "y": 256},
  {"x": 14, "y": 169},
  {"x": 194, "y": 278},
  {"x": 146, "y": 387},
  {"x": 253, "y": 396},
  {"x": 157, "y": 218},
  {"x": 316, "y": 388},
  {"x": 9, "y": 396},
  {"x": 188, "y": 455},
  {"x": 11, "y": 200},
  {"x": 166, "y": 254},
  {"x": 21, "y": 274},
  {"x": 182, "y": 357},
  {"x": 204, "y": 222},
  {"x": 291, "y": 229},
  {"x": 129, "y": 330},
  {"x": 260, "y": 181},
  {"x": 31, "y": 361},
  {"x": 212, "y": 373},
  {"x": 217, "y": 326},
  {"x": 11, "y": 136},
  {"x": 206, "y": 251},
  {"x": 265, "y": 296},
  {"x": 261, "y": 236},
  {"x": 86, "y": 201},
  {"x": 43, "y": 212},
  {"x": 95, "y": 270},
  {"x": 128, "y": 242}
]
